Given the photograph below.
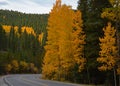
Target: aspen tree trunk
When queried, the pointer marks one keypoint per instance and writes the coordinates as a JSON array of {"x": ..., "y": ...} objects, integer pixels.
[
  {"x": 115, "y": 81},
  {"x": 59, "y": 69},
  {"x": 88, "y": 74},
  {"x": 117, "y": 35},
  {"x": 118, "y": 46}
]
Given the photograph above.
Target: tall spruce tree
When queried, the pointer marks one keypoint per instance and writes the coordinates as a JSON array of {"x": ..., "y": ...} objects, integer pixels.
[
  {"x": 83, "y": 7},
  {"x": 92, "y": 24},
  {"x": 3, "y": 42}
]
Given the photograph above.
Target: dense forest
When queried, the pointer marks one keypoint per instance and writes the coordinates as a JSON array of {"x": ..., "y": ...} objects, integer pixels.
[
  {"x": 81, "y": 46},
  {"x": 22, "y": 37}
]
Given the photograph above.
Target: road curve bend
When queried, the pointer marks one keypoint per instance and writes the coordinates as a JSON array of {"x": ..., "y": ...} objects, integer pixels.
[{"x": 32, "y": 80}]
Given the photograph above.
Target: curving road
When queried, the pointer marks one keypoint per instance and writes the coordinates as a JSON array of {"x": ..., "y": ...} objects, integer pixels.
[
  {"x": 2, "y": 83},
  {"x": 31, "y": 80}
]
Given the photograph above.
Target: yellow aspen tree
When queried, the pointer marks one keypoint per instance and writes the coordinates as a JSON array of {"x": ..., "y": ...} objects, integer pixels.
[
  {"x": 78, "y": 40},
  {"x": 6, "y": 28},
  {"x": 108, "y": 48},
  {"x": 8, "y": 68},
  {"x": 29, "y": 30},
  {"x": 40, "y": 37},
  {"x": 15, "y": 66},
  {"x": 59, "y": 58},
  {"x": 65, "y": 42},
  {"x": 118, "y": 70},
  {"x": 113, "y": 13},
  {"x": 23, "y": 66},
  {"x": 50, "y": 62}
]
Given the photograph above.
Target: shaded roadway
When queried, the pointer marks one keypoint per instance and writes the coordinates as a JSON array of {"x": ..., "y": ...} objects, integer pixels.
[{"x": 32, "y": 80}]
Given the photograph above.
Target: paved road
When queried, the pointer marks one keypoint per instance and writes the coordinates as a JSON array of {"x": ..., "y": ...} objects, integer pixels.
[
  {"x": 33, "y": 80},
  {"x": 2, "y": 83}
]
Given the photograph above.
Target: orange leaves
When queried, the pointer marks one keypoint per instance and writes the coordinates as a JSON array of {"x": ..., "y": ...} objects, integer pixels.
[
  {"x": 15, "y": 65},
  {"x": 29, "y": 30},
  {"x": 6, "y": 28},
  {"x": 108, "y": 63},
  {"x": 40, "y": 37},
  {"x": 58, "y": 48},
  {"x": 103, "y": 68},
  {"x": 109, "y": 13},
  {"x": 78, "y": 41},
  {"x": 8, "y": 68},
  {"x": 23, "y": 65},
  {"x": 108, "y": 49},
  {"x": 118, "y": 71},
  {"x": 65, "y": 43},
  {"x": 112, "y": 13},
  {"x": 109, "y": 30},
  {"x": 77, "y": 20}
]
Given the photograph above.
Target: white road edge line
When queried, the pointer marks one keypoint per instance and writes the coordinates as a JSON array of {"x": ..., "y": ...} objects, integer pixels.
[
  {"x": 6, "y": 81},
  {"x": 34, "y": 82}
]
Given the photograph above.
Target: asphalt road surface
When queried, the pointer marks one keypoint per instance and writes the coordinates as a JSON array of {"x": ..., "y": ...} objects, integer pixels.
[
  {"x": 2, "y": 83},
  {"x": 31, "y": 80}
]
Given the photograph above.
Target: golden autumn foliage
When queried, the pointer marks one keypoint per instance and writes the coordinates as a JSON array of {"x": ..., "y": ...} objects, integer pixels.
[
  {"x": 40, "y": 37},
  {"x": 23, "y": 66},
  {"x": 65, "y": 42},
  {"x": 108, "y": 49},
  {"x": 109, "y": 13},
  {"x": 15, "y": 66},
  {"x": 32, "y": 68},
  {"x": 51, "y": 64},
  {"x": 118, "y": 71},
  {"x": 78, "y": 40},
  {"x": 8, "y": 68},
  {"x": 112, "y": 13},
  {"x": 35, "y": 70},
  {"x": 6, "y": 28},
  {"x": 29, "y": 30},
  {"x": 64, "y": 30}
]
